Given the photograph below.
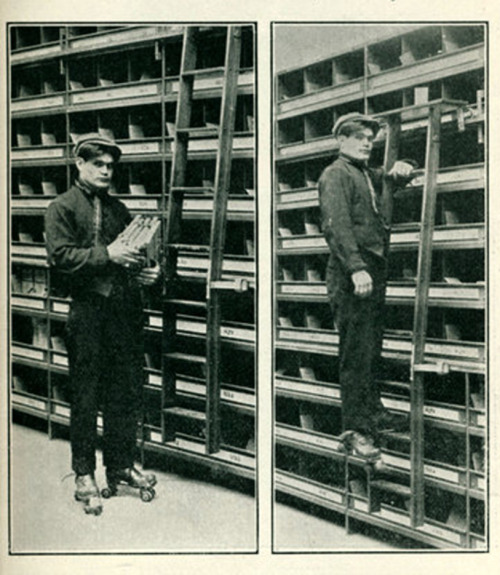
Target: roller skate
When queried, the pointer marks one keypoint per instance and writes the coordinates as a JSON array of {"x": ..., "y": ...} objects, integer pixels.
[
  {"x": 133, "y": 478},
  {"x": 360, "y": 445},
  {"x": 87, "y": 493}
]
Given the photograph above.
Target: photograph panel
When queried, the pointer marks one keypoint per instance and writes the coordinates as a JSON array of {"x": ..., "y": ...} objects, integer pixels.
[
  {"x": 133, "y": 279},
  {"x": 380, "y": 293}
]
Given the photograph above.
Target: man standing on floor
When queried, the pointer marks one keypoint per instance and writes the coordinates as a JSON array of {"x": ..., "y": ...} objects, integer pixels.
[
  {"x": 104, "y": 331},
  {"x": 358, "y": 238}
]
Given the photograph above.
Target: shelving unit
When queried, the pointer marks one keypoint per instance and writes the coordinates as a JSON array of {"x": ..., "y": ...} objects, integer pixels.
[
  {"x": 435, "y": 490},
  {"x": 125, "y": 82}
]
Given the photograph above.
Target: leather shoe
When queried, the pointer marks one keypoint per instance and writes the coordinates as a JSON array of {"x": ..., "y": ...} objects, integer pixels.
[{"x": 360, "y": 444}]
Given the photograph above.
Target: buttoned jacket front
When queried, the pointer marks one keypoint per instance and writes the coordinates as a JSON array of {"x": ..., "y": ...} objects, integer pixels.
[{"x": 351, "y": 218}]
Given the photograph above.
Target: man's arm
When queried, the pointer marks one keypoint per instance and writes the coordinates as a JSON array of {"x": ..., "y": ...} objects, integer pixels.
[
  {"x": 336, "y": 221},
  {"x": 66, "y": 254},
  {"x": 62, "y": 246}
]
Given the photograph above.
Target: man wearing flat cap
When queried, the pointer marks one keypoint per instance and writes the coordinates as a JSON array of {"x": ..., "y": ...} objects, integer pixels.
[
  {"x": 104, "y": 331},
  {"x": 358, "y": 239}
]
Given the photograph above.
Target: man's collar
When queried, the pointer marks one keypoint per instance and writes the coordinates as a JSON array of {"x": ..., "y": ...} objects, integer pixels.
[
  {"x": 363, "y": 164},
  {"x": 90, "y": 190}
]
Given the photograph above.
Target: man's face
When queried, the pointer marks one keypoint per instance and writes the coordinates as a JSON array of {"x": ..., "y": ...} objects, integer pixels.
[
  {"x": 358, "y": 145},
  {"x": 96, "y": 172}
]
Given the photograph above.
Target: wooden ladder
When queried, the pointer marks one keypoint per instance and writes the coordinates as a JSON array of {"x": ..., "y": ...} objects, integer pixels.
[
  {"x": 418, "y": 364},
  {"x": 214, "y": 251}
]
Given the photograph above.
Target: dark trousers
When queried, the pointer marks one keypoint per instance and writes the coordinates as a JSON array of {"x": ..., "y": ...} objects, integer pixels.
[
  {"x": 105, "y": 352},
  {"x": 360, "y": 325}
]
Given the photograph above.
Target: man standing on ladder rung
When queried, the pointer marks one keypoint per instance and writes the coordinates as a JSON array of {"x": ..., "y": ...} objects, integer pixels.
[{"x": 358, "y": 237}]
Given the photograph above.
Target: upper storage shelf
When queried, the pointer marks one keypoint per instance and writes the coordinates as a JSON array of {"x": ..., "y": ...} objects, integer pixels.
[{"x": 397, "y": 61}]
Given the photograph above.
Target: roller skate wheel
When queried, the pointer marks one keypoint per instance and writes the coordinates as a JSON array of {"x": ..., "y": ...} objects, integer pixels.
[
  {"x": 147, "y": 495},
  {"x": 106, "y": 492},
  {"x": 93, "y": 510}
]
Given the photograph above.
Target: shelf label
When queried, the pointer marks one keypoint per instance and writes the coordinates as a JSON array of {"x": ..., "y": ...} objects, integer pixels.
[
  {"x": 307, "y": 336},
  {"x": 140, "y": 204},
  {"x": 445, "y": 534},
  {"x": 443, "y": 413},
  {"x": 238, "y": 397},
  {"x": 190, "y": 387},
  {"x": 28, "y": 250},
  {"x": 443, "y": 474},
  {"x": 28, "y": 352},
  {"x": 303, "y": 242},
  {"x": 29, "y": 402},
  {"x": 192, "y": 446},
  {"x": 61, "y": 410},
  {"x": 38, "y": 52},
  {"x": 37, "y": 103},
  {"x": 155, "y": 437},
  {"x": 135, "y": 91},
  {"x": 60, "y": 307},
  {"x": 191, "y": 326},
  {"x": 154, "y": 379},
  {"x": 323, "y": 492},
  {"x": 470, "y": 351},
  {"x": 395, "y": 516},
  {"x": 120, "y": 37},
  {"x": 360, "y": 505},
  {"x": 140, "y": 148},
  {"x": 237, "y": 458},
  {"x": 155, "y": 321},
  {"x": 307, "y": 437},
  {"x": 27, "y": 302},
  {"x": 239, "y": 333},
  {"x": 37, "y": 153},
  {"x": 325, "y": 391},
  {"x": 59, "y": 359},
  {"x": 477, "y": 543},
  {"x": 480, "y": 420},
  {"x": 34, "y": 203},
  {"x": 303, "y": 196},
  {"x": 301, "y": 289}
]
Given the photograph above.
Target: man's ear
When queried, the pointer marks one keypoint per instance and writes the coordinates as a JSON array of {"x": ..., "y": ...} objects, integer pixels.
[{"x": 79, "y": 162}]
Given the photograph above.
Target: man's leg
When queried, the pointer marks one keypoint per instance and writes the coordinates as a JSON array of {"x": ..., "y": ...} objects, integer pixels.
[
  {"x": 84, "y": 354},
  {"x": 83, "y": 332},
  {"x": 123, "y": 382},
  {"x": 356, "y": 319}
]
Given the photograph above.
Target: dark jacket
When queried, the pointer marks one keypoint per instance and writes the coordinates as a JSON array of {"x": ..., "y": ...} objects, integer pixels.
[
  {"x": 71, "y": 248},
  {"x": 351, "y": 224}
]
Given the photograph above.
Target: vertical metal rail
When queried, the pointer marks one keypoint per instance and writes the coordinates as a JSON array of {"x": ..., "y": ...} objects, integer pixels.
[
  {"x": 218, "y": 235},
  {"x": 417, "y": 510}
]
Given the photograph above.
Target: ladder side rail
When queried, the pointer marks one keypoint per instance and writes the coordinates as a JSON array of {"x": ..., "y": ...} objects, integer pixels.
[
  {"x": 417, "y": 510},
  {"x": 173, "y": 223},
  {"x": 390, "y": 157},
  {"x": 180, "y": 152},
  {"x": 218, "y": 235}
]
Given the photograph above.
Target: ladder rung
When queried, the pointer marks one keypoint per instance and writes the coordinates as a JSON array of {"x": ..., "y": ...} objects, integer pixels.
[
  {"x": 187, "y": 302},
  {"x": 198, "y": 131},
  {"x": 203, "y": 71},
  {"x": 184, "y": 412},
  {"x": 193, "y": 190},
  {"x": 177, "y": 355},
  {"x": 189, "y": 247},
  {"x": 397, "y": 435},
  {"x": 391, "y": 486}
]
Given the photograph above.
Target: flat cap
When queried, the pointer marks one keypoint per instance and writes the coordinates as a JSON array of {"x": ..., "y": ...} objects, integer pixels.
[
  {"x": 98, "y": 140},
  {"x": 356, "y": 117}
]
